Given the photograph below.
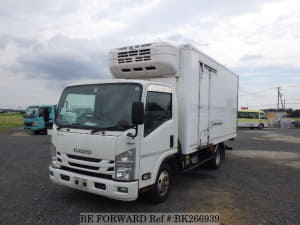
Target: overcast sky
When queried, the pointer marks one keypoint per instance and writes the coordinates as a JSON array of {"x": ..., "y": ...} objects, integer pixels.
[{"x": 45, "y": 45}]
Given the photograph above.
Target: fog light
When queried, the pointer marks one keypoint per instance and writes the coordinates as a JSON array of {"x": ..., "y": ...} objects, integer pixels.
[
  {"x": 123, "y": 189},
  {"x": 65, "y": 177},
  {"x": 100, "y": 186}
]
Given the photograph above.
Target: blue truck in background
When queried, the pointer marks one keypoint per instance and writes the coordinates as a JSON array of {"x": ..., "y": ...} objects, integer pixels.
[{"x": 39, "y": 118}]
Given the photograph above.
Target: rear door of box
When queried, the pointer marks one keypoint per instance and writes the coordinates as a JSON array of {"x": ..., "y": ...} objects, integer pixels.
[{"x": 203, "y": 105}]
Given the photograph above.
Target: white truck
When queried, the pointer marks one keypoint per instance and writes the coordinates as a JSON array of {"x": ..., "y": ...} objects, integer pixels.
[{"x": 169, "y": 109}]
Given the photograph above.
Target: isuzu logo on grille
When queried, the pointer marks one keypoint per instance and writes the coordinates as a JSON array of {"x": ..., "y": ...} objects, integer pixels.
[{"x": 84, "y": 151}]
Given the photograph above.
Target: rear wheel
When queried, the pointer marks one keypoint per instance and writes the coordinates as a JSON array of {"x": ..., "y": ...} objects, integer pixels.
[
  {"x": 216, "y": 161},
  {"x": 161, "y": 188}
]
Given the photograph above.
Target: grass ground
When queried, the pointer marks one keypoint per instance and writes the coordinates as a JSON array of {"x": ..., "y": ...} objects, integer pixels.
[
  {"x": 296, "y": 119},
  {"x": 10, "y": 120}
]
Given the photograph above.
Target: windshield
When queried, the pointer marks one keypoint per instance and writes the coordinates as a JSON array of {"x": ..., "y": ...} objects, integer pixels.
[
  {"x": 31, "y": 111},
  {"x": 100, "y": 106}
]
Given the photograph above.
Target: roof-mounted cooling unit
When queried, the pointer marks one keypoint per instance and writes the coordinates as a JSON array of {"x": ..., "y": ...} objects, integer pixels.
[{"x": 144, "y": 61}]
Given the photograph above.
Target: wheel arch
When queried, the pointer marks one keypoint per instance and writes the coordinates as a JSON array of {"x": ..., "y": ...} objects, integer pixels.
[{"x": 167, "y": 158}]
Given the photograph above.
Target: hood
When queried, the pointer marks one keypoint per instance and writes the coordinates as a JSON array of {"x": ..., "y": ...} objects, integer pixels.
[{"x": 86, "y": 145}]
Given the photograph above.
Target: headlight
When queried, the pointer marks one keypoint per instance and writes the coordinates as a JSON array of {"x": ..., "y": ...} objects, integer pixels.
[
  {"x": 34, "y": 123},
  {"x": 125, "y": 165}
]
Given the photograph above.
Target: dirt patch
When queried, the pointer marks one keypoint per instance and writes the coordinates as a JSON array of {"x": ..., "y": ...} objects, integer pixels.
[
  {"x": 227, "y": 207},
  {"x": 281, "y": 158},
  {"x": 278, "y": 137},
  {"x": 10, "y": 131},
  {"x": 20, "y": 134}
]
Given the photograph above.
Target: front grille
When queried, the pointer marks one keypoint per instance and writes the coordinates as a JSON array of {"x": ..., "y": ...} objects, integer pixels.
[
  {"x": 29, "y": 124},
  {"x": 87, "y": 173},
  {"x": 83, "y": 158},
  {"x": 134, "y": 56},
  {"x": 84, "y": 166},
  {"x": 86, "y": 163}
]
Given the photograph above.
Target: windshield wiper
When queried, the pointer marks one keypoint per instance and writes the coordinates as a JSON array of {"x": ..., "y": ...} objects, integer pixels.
[
  {"x": 93, "y": 130},
  {"x": 74, "y": 125},
  {"x": 61, "y": 126},
  {"x": 103, "y": 129}
]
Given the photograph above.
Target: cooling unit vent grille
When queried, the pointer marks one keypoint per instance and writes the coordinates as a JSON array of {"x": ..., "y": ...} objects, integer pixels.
[{"x": 134, "y": 56}]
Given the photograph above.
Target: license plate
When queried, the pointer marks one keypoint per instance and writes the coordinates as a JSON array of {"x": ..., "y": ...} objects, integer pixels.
[{"x": 80, "y": 182}]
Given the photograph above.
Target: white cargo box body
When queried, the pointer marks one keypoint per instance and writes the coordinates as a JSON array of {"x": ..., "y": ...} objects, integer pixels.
[
  {"x": 207, "y": 101},
  {"x": 207, "y": 92}
]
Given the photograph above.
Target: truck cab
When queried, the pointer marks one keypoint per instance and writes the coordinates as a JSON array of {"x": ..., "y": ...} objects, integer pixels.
[
  {"x": 102, "y": 122},
  {"x": 39, "y": 118}
]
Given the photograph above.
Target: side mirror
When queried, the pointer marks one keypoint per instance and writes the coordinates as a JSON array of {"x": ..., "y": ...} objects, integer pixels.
[{"x": 137, "y": 115}]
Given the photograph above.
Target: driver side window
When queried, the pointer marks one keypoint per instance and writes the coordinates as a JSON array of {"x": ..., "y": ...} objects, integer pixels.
[
  {"x": 157, "y": 111},
  {"x": 77, "y": 105}
]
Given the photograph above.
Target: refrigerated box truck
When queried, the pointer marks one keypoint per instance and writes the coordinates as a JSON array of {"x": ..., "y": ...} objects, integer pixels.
[{"x": 169, "y": 109}]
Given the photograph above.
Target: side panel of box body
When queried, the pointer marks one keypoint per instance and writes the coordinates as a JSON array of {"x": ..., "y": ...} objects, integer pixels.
[
  {"x": 207, "y": 101},
  {"x": 188, "y": 101},
  {"x": 223, "y": 105}
]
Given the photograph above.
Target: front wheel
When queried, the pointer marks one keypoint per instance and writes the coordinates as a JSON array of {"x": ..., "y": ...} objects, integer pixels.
[
  {"x": 161, "y": 188},
  {"x": 261, "y": 126}
]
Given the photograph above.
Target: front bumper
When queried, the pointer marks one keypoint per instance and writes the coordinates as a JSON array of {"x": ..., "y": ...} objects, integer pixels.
[
  {"x": 95, "y": 185},
  {"x": 32, "y": 128}
]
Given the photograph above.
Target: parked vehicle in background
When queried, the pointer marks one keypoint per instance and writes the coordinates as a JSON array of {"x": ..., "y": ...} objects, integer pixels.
[
  {"x": 39, "y": 118},
  {"x": 252, "y": 119},
  {"x": 168, "y": 109}
]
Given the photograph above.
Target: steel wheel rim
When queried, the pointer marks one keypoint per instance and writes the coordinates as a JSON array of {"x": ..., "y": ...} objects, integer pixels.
[{"x": 163, "y": 183}]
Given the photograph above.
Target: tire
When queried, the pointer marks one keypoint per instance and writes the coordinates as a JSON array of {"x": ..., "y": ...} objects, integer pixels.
[
  {"x": 223, "y": 152},
  {"x": 160, "y": 190},
  {"x": 261, "y": 126},
  {"x": 216, "y": 161}
]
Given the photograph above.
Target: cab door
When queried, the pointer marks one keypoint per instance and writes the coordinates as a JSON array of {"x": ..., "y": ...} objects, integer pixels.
[{"x": 159, "y": 136}]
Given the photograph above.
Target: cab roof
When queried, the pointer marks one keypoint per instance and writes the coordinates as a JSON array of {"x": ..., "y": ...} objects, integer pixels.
[{"x": 109, "y": 81}]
